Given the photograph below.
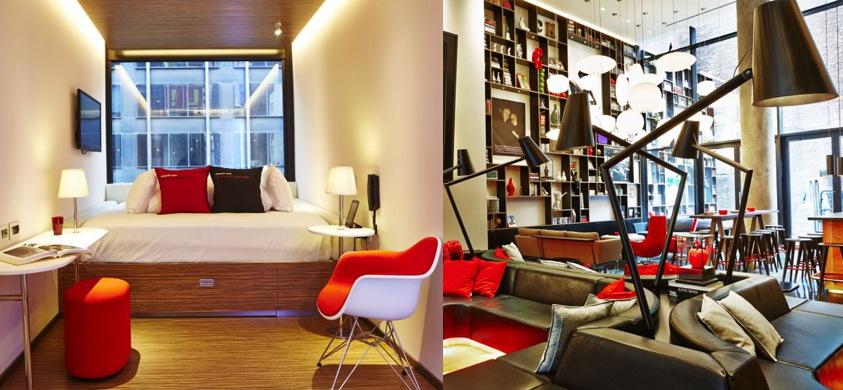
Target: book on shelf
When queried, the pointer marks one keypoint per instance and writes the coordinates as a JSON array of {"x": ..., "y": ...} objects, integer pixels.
[{"x": 26, "y": 254}]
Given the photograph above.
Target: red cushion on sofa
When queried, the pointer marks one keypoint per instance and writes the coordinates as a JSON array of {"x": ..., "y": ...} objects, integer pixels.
[
  {"x": 616, "y": 290},
  {"x": 452, "y": 250},
  {"x": 183, "y": 191},
  {"x": 499, "y": 253},
  {"x": 652, "y": 269},
  {"x": 489, "y": 277},
  {"x": 458, "y": 278}
]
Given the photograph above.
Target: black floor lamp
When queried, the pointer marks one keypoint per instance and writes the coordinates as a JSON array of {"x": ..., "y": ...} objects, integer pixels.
[
  {"x": 532, "y": 154},
  {"x": 788, "y": 71}
]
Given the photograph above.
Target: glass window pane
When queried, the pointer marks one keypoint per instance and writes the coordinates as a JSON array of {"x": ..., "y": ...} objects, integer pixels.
[{"x": 810, "y": 188}]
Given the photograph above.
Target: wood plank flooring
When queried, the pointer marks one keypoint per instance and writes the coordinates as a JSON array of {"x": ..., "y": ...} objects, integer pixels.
[{"x": 216, "y": 353}]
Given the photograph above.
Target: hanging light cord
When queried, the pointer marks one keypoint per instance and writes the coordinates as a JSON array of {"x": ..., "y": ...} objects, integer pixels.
[{"x": 741, "y": 61}]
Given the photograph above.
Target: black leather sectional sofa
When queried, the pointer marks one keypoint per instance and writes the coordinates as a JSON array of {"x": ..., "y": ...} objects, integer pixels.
[{"x": 812, "y": 330}]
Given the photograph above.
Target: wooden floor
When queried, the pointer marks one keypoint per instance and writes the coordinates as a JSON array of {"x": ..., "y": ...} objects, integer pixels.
[{"x": 216, "y": 353}]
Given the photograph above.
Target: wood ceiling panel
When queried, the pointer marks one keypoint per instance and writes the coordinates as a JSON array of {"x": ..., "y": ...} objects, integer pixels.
[{"x": 198, "y": 24}]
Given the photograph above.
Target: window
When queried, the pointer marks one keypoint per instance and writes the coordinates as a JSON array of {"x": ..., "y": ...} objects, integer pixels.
[{"x": 190, "y": 114}]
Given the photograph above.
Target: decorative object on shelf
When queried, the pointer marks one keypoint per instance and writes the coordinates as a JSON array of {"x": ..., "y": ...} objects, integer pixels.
[
  {"x": 523, "y": 83},
  {"x": 519, "y": 51},
  {"x": 73, "y": 185},
  {"x": 510, "y": 221},
  {"x": 538, "y": 53},
  {"x": 493, "y": 175},
  {"x": 341, "y": 181},
  {"x": 509, "y": 51},
  {"x": 493, "y": 204},
  {"x": 510, "y": 188},
  {"x": 557, "y": 200},
  {"x": 508, "y": 35},
  {"x": 551, "y": 30},
  {"x": 554, "y": 116},
  {"x": 563, "y": 177},
  {"x": 489, "y": 24},
  {"x": 523, "y": 24},
  {"x": 508, "y": 119},
  {"x": 540, "y": 24},
  {"x": 495, "y": 63}
]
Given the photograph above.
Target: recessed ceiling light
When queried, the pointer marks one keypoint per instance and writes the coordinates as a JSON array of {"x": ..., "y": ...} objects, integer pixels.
[
  {"x": 650, "y": 31},
  {"x": 278, "y": 30},
  {"x": 627, "y": 20},
  {"x": 602, "y": 8}
]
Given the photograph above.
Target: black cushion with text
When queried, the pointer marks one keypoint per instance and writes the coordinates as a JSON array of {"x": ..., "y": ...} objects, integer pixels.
[{"x": 237, "y": 190}]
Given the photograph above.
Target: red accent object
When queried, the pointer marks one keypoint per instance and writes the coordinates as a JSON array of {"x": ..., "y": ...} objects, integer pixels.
[
  {"x": 669, "y": 269},
  {"x": 489, "y": 277},
  {"x": 830, "y": 373},
  {"x": 502, "y": 333},
  {"x": 97, "y": 328},
  {"x": 457, "y": 278},
  {"x": 723, "y": 212},
  {"x": 58, "y": 224},
  {"x": 616, "y": 290},
  {"x": 414, "y": 261},
  {"x": 750, "y": 209},
  {"x": 653, "y": 244},
  {"x": 452, "y": 250},
  {"x": 510, "y": 188},
  {"x": 590, "y": 151},
  {"x": 183, "y": 191},
  {"x": 538, "y": 53},
  {"x": 499, "y": 253}
]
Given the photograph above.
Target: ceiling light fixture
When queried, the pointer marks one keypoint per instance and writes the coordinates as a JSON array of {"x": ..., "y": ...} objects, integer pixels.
[{"x": 278, "y": 30}]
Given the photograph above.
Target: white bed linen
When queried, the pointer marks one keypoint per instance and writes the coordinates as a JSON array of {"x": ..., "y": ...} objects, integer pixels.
[{"x": 223, "y": 237}]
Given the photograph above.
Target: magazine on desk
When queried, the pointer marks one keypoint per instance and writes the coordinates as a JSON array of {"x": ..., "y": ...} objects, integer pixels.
[{"x": 29, "y": 253}]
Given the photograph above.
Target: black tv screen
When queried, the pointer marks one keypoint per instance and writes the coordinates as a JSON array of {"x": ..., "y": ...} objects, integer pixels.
[{"x": 89, "y": 123}]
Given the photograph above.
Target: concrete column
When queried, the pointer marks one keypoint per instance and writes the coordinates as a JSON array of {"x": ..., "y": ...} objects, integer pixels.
[{"x": 758, "y": 125}]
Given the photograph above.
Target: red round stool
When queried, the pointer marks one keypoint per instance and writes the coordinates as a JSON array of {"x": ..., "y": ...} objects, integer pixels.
[{"x": 97, "y": 328}]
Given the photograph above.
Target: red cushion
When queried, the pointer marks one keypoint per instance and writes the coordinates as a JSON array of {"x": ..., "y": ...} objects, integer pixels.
[
  {"x": 616, "y": 290},
  {"x": 97, "y": 327},
  {"x": 489, "y": 277},
  {"x": 452, "y": 250},
  {"x": 414, "y": 261},
  {"x": 183, "y": 191},
  {"x": 458, "y": 278},
  {"x": 499, "y": 253}
]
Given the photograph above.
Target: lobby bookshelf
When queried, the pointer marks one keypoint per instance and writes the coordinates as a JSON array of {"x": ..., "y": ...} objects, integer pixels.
[{"x": 509, "y": 69}]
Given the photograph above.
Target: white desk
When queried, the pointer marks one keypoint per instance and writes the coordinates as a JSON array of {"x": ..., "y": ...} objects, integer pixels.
[
  {"x": 84, "y": 239},
  {"x": 341, "y": 232}
]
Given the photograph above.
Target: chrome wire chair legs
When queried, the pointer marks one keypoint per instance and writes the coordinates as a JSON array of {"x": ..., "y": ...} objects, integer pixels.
[{"x": 385, "y": 345}]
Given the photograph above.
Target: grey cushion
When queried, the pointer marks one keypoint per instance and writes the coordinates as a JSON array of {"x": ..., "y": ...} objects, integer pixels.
[
  {"x": 618, "y": 305},
  {"x": 566, "y": 320},
  {"x": 721, "y": 323},
  {"x": 762, "y": 332}
]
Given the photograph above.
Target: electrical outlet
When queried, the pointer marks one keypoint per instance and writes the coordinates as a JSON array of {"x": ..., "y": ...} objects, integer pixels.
[
  {"x": 14, "y": 230},
  {"x": 5, "y": 233}
]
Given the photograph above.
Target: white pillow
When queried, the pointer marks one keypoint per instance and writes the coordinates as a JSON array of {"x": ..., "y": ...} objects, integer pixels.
[
  {"x": 765, "y": 337},
  {"x": 513, "y": 252},
  {"x": 141, "y": 193},
  {"x": 155, "y": 202},
  {"x": 721, "y": 323},
  {"x": 277, "y": 188}
]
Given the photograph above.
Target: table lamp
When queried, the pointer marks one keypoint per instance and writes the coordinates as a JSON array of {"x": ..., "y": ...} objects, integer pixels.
[
  {"x": 787, "y": 70},
  {"x": 341, "y": 181},
  {"x": 73, "y": 185}
]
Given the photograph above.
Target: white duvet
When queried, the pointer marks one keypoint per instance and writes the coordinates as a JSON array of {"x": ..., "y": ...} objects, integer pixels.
[{"x": 223, "y": 237}]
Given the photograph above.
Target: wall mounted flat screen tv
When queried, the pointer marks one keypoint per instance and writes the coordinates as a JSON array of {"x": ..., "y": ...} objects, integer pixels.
[{"x": 88, "y": 123}]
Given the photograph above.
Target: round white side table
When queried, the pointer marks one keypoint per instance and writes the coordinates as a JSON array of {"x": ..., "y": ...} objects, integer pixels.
[{"x": 342, "y": 232}]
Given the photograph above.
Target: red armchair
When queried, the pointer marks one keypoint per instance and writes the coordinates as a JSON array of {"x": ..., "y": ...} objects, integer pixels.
[{"x": 653, "y": 244}]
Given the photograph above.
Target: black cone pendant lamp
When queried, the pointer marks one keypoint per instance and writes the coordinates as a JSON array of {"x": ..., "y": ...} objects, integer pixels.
[
  {"x": 464, "y": 163},
  {"x": 532, "y": 153},
  {"x": 575, "y": 130},
  {"x": 787, "y": 66},
  {"x": 688, "y": 136}
]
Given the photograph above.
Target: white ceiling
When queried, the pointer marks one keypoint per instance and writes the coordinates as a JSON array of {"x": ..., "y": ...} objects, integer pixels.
[{"x": 665, "y": 20}]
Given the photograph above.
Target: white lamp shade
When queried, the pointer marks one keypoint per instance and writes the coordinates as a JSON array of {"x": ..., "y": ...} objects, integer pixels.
[
  {"x": 557, "y": 83},
  {"x": 607, "y": 122},
  {"x": 553, "y": 133},
  {"x": 635, "y": 75},
  {"x": 596, "y": 65},
  {"x": 645, "y": 97},
  {"x": 590, "y": 83},
  {"x": 73, "y": 184},
  {"x": 341, "y": 181},
  {"x": 630, "y": 122},
  {"x": 675, "y": 61},
  {"x": 705, "y": 87},
  {"x": 654, "y": 78},
  {"x": 705, "y": 120},
  {"x": 622, "y": 89}
]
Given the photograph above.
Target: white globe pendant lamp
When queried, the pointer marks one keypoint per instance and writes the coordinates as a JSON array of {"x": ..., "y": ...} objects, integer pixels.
[
  {"x": 675, "y": 61},
  {"x": 635, "y": 75},
  {"x": 704, "y": 88},
  {"x": 630, "y": 122},
  {"x": 607, "y": 122},
  {"x": 596, "y": 65},
  {"x": 654, "y": 78},
  {"x": 622, "y": 90},
  {"x": 644, "y": 97},
  {"x": 557, "y": 83},
  {"x": 705, "y": 120},
  {"x": 590, "y": 83}
]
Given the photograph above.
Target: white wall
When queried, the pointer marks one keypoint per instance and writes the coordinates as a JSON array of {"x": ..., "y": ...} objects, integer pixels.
[
  {"x": 368, "y": 93},
  {"x": 49, "y": 49},
  {"x": 461, "y": 17}
]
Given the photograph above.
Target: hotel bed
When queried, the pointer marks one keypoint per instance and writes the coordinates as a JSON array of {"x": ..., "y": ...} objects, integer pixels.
[{"x": 189, "y": 264}]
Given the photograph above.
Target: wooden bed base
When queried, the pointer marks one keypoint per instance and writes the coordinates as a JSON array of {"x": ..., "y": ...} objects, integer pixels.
[{"x": 174, "y": 288}]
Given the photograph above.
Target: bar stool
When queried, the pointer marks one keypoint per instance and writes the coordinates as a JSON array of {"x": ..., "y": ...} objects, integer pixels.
[
  {"x": 816, "y": 240},
  {"x": 755, "y": 251},
  {"x": 771, "y": 251},
  {"x": 795, "y": 262},
  {"x": 825, "y": 249},
  {"x": 723, "y": 252}
]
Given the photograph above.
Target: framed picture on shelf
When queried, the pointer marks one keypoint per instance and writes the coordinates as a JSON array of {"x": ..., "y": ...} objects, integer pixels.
[
  {"x": 492, "y": 175},
  {"x": 551, "y": 30},
  {"x": 620, "y": 172},
  {"x": 523, "y": 83},
  {"x": 507, "y": 78},
  {"x": 508, "y": 125},
  {"x": 628, "y": 51}
]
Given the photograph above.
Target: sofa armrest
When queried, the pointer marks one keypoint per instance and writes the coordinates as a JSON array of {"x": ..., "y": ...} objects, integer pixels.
[
  {"x": 565, "y": 238},
  {"x": 607, "y": 250}
]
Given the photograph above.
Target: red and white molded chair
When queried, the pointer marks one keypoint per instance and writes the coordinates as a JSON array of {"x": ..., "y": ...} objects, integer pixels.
[{"x": 380, "y": 286}]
